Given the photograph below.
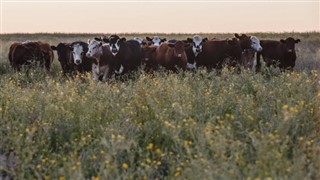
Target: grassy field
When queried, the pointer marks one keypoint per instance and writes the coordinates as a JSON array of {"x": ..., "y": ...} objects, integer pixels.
[{"x": 189, "y": 125}]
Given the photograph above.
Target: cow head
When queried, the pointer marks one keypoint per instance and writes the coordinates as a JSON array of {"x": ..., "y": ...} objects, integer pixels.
[
  {"x": 64, "y": 55},
  {"x": 197, "y": 43},
  {"x": 78, "y": 49},
  {"x": 178, "y": 49},
  {"x": 290, "y": 44},
  {"x": 255, "y": 44},
  {"x": 94, "y": 48},
  {"x": 245, "y": 41},
  {"x": 156, "y": 40},
  {"x": 235, "y": 48},
  {"x": 138, "y": 39},
  {"x": 114, "y": 43},
  {"x": 148, "y": 53}
]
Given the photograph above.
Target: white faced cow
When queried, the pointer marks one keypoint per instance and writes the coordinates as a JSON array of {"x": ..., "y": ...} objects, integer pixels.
[
  {"x": 101, "y": 53},
  {"x": 79, "y": 50},
  {"x": 156, "y": 40},
  {"x": 126, "y": 54},
  {"x": 194, "y": 50},
  {"x": 249, "y": 46}
]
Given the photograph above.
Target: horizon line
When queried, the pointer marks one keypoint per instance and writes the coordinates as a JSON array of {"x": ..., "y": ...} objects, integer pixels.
[{"x": 277, "y": 32}]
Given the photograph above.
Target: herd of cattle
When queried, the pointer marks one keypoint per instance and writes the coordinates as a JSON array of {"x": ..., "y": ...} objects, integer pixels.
[{"x": 105, "y": 56}]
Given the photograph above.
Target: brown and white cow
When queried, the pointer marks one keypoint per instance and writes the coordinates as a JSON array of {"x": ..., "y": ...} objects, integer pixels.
[
  {"x": 29, "y": 54},
  {"x": 101, "y": 53},
  {"x": 172, "y": 55},
  {"x": 248, "y": 60},
  {"x": 278, "y": 53},
  {"x": 216, "y": 53}
]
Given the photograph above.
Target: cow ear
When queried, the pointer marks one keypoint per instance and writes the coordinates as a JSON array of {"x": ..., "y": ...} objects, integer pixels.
[
  {"x": 233, "y": 41},
  {"x": 204, "y": 39},
  {"x": 297, "y": 40},
  {"x": 187, "y": 45},
  {"x": 89, "y": 40},
  {"x": 97, "y": 39},
  {"x": 70, "y": 48},
  {"x": 149, "y": 39},
  {"x": 53, "y": 48},
  {"x": 190, "y": 40},
  {"x": 106, "y": 40},
  {"x": 283, "y": 41},
  {"x": 236, "y": 35},
  {"x": 163, "y": 40},
  {"x": 171, "y": 45}
]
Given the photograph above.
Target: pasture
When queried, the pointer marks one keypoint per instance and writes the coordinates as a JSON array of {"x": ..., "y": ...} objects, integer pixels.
[{"x": 185, "y": 125}]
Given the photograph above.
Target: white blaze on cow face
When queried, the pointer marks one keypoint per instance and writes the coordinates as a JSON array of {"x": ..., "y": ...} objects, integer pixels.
[
  {"x": 77, "y": 53},
  {"x": 114, "y": 48},
  {"x": 156, "y": 41},
  {"x": 197, "y": 44},
  {"x": 255, "y": 44},
  {"x": 94, "y": 49}
]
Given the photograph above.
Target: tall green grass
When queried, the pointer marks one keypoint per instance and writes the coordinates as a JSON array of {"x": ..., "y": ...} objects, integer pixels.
[
  {"x": 189, "y": 125},
  {"x": 185, "y": 126}
]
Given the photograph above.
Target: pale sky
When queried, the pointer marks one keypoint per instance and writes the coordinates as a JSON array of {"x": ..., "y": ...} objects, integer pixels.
[{"x": 164, "y": 17}]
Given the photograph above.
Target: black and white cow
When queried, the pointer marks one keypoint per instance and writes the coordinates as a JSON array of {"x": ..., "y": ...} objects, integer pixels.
[
  {"x": 81, "y": 61},
  {"x": 194, "y": 50},
  {"x": 126, "y": 55},
  {"x": 156, "y": 40}
]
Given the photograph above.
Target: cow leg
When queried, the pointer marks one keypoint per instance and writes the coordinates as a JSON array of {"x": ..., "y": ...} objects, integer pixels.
[
  {"x": 105, "y": 73},
  {"x": 258, "y": 63},
  {"x": 47, "y": 64},
  {"x": 95, "y": 72}
]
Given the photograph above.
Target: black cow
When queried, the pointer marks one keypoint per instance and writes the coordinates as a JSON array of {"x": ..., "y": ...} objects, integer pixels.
[
  {"x": 278, "y": 53},
  {"x": 127, "y": 55}
]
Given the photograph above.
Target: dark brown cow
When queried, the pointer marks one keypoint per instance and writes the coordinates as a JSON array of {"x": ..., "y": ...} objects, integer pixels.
[
  {"x": 47, "y": 53},
  {"x": 245, "y": 42},
  {"x": 29, "y": 54},
  {"x": 172, "y": 55},
  {"x": 278, "y": 53},
  {"x": 65, "y": 57},
  {"x": 149, "y": 57},
  {"x": 216, "y": 53}
]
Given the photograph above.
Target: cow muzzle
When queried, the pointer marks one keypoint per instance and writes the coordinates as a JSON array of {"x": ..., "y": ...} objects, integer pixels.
[{"x": 77, "y": 61}]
